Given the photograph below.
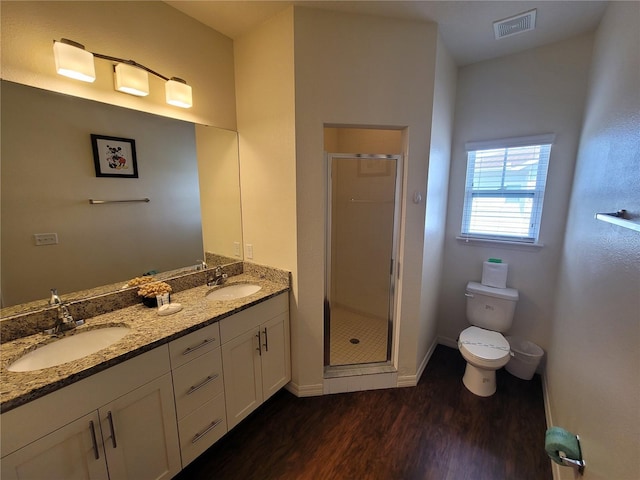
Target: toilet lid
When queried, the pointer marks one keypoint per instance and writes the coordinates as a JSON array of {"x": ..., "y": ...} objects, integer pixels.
[{"x": 484, "y": 343}]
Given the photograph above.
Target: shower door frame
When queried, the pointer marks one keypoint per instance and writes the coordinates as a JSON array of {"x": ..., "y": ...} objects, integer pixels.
[{"x": 395, "y": 253}]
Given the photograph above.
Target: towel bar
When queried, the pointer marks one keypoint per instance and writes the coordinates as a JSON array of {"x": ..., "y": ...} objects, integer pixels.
[{"x": 100, "y": 202}]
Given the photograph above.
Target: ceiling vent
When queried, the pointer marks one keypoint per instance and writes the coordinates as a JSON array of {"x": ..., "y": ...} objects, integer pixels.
[{"x": 522, "y": 22}]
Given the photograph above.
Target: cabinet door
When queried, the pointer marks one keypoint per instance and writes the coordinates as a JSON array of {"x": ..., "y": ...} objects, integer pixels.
[
  {"x": 242, "y": 377},
  {"x": 276, "y": 361},
  {"x": 140, "y": 433},
  {"x": 72, "y": 452}
]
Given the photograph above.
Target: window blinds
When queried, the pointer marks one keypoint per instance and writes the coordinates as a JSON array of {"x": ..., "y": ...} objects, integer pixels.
[{"x": 504, "y": 188}]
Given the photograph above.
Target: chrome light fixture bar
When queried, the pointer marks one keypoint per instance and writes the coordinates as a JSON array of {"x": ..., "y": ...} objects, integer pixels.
[{"x": 72, "y": 60}]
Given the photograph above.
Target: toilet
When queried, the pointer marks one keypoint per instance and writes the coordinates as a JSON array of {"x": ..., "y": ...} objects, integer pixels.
[{"x": 490, "y": 312}]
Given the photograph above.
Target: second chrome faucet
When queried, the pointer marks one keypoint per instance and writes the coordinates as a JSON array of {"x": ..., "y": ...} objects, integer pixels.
[{"x": 217, "y": 278}]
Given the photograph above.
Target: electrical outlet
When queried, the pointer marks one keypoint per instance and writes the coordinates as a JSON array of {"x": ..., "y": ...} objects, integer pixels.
[
  {"x": 236, "y": 249},
  {"x": 249, "y": 250},
  {"x": 45, "y": 239}
]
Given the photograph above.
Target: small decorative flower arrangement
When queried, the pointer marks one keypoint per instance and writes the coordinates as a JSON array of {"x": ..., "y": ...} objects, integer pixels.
[
  {"x": 149, "y": 291},
  {"x": 134, "y": 282}
]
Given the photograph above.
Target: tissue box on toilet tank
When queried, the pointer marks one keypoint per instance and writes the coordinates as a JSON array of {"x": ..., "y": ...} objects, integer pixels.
[{"x": 494, "y": 274}]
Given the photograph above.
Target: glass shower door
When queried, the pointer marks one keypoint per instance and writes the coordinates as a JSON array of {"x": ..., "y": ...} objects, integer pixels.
[{"x": 360, "y": 262}]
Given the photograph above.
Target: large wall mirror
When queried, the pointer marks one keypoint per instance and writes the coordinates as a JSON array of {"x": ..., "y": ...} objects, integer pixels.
[{"x": 189, "y": 173}]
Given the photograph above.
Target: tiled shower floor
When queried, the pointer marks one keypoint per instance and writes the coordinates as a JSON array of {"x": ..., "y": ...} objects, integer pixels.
[{"x": 370, "y": 332}]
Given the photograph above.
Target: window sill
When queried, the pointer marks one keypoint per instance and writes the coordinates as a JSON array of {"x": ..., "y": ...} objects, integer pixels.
[{"x": 484, "y": 241}]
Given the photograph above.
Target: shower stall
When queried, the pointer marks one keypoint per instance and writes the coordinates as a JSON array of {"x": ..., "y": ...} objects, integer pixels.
[{"x": 363, "y": 214}]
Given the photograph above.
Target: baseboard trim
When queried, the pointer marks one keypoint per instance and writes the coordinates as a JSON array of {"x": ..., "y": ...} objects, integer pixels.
[
  {"x": 448, "y": 342},
  {"x": 412, "y": 380},
  {"x": 425, "y": 360},
  {"x": 304, "y": 390},
  {"x": 555, "y": 468}
]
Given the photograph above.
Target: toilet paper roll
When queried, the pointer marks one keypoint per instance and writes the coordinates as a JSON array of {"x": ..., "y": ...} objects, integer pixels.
[
  {"x": 494, "y": 274},
  {"x": 558, "y": 440}
]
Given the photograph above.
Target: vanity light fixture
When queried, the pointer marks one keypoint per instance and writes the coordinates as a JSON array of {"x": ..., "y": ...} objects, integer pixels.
[
  {"x": 130, "y": 79},
  {"x": 178, "y": 93},
  {"x": 72, "y": 60}
]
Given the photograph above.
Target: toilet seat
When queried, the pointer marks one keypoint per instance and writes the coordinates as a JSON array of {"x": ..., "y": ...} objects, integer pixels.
[{"x": 484, "y": 346}]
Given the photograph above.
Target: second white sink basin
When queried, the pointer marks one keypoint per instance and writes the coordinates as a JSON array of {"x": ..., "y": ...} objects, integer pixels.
[
  {"x": 68, "y": 349},
  {"x": 233, "y": 292}
]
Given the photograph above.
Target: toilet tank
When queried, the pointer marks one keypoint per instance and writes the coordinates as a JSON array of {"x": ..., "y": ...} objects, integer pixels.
[{"x": 490, "y": 308}]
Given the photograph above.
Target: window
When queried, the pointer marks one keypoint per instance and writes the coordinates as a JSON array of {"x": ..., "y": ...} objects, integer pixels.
[{"x": 504, "y": 189}]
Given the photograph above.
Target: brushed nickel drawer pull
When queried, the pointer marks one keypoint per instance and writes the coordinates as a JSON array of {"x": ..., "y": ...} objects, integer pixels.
[
  {"x": 266, "y": 340},
  {"x": 113, "y": 431},
  {"x": 193, "y": 349},
  {"x": 259, "y": 349},
  {"x": 210, "y": 378},
  {"x": 213, "y": 425},
  {"x": 92, "y": 429}
]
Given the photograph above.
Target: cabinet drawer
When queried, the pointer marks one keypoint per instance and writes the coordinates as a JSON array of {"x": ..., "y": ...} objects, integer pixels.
[
  {"x": 193, "y": 345},
  {"x": 202, "y": 428},
  {"x": 197, "y": 382},
  {"x": 245, "y": 320}
]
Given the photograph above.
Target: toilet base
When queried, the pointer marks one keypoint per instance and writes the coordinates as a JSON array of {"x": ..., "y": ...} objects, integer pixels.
[{"x": 479, "y": 381}]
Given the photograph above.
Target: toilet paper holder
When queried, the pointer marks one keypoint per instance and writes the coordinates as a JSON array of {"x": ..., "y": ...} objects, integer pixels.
[{"x": 570, "y": 462}]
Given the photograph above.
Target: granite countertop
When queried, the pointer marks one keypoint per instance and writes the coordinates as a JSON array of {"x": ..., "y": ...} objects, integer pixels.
[{"x": 148, "y": 331}]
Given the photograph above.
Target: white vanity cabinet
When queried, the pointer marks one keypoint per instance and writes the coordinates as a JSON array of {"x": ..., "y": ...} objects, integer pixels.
[
  {"x": 126, "y": 427},
  {"x": 150, "y": 416},
  {"x": 73, "y": 452},
  {"x": 139, "y": 433},
  {"x": 199, "y": 391},
  {"x": 255, "y": 356}
]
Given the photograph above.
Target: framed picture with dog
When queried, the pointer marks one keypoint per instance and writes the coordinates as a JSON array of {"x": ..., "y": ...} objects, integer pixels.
[{"x": 114, "y": 156}]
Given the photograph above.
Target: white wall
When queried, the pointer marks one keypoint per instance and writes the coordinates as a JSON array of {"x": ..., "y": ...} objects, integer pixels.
[
  {"x": 266, "y": 132},
  {"x": 149, "y": 32},
  {"x": 359, "y": 70},
  {"x": 593, "y": 370},
  {"x": 538, "y": 91},
  {"x": 264, "y": 81},
  {"x": 436, "y": 199}
]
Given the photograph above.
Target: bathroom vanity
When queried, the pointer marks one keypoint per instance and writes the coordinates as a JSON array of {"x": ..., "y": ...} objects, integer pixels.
[{"x": 149, "y": 404}]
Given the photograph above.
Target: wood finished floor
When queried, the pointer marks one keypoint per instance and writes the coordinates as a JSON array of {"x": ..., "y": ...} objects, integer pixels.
[{"x": 437, "y": 430}]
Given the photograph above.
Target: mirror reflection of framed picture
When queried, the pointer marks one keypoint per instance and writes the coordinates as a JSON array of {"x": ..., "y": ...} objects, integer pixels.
[{"x": 114, "y": 156}]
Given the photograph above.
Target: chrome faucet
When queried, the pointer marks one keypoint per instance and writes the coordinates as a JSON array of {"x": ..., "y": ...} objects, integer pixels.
[
  {"x": 64, "y": 320},
  {"x": 201, "y": 265},
  {"x": 55, "y": 299},
  {"x": 218, "y": 278}
]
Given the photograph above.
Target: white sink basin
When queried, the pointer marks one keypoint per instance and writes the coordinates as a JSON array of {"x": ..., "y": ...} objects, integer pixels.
[
  {"x": 68, "y": 349},
  {"x": 233, "y": 292}
]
